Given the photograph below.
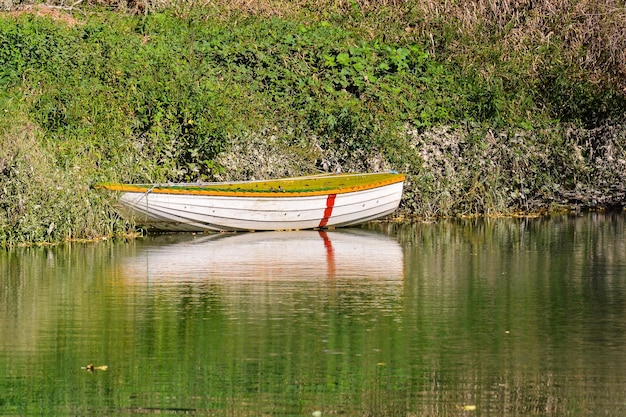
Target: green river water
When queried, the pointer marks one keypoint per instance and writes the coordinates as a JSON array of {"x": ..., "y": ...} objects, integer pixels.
[{"x": 498, "y": 317}]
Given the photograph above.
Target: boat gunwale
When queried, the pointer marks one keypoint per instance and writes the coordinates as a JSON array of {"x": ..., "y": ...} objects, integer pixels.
[{"x": 272, "y": 187}]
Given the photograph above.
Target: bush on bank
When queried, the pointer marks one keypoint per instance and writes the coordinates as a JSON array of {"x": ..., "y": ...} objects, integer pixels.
[{"x": 221, "y": 92}]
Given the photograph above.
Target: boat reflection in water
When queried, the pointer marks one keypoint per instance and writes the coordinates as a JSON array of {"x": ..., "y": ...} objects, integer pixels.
[{"x": 267, "y": 256}]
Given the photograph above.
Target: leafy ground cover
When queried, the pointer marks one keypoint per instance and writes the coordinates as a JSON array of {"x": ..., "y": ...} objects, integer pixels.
[{"x": 488, "y": 110}]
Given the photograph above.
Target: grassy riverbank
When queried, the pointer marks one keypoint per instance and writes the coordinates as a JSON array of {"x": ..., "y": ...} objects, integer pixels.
[{"x": 488, "y": 111}]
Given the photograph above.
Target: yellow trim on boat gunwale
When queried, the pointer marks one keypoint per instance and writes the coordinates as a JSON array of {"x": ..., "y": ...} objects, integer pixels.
[{"x": 286, "y": 187}]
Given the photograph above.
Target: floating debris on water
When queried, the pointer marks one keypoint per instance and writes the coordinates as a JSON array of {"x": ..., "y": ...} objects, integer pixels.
[{"x": 92, "y": 368}]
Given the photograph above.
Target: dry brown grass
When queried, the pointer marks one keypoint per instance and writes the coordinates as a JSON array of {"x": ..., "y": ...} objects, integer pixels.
[
  {"x": 592, "y": 33},
  {"x": 43, "y": 10}
]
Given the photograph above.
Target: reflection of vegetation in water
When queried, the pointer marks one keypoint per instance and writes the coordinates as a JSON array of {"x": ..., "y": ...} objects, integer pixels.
[
  {"x": 512, "y": 316},
  {"x": 508, "y": 306}
]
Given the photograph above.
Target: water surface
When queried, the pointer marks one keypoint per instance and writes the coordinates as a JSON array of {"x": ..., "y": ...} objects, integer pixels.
[{"x": 503, "y": 317}]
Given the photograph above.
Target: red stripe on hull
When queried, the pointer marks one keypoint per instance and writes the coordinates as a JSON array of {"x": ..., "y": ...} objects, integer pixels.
[{"x": 330, "y": 203}]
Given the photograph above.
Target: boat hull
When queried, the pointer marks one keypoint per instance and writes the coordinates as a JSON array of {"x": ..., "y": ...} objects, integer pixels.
[{"x": 202, "y": 210}]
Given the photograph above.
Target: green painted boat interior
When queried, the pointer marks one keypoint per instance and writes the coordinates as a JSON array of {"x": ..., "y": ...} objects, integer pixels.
[{"x": 323, "y": 182}]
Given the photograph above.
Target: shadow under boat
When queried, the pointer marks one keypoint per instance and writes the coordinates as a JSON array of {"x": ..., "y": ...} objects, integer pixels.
[{"x": 267, "y": 256}]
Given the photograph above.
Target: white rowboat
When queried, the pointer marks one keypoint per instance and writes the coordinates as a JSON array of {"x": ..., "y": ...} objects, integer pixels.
[{"x": 317, "y": 201}]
